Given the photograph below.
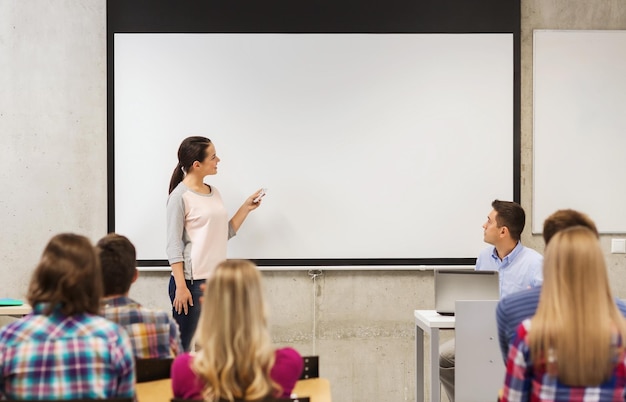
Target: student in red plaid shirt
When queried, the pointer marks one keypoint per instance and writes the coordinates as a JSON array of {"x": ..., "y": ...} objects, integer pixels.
[
  {"x": 153, "y": 333},
  {"x": 572, "y": 349},
  {"x": 64, "y": 349}
]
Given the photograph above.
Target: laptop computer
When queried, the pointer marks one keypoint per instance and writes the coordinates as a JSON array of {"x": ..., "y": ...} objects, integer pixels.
[{"x": 460, "y": 284}]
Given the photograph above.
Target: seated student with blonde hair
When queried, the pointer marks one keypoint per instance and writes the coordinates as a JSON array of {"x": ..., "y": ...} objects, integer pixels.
[
  {"x": 235, "y": 358},
  {"x": 572, "y": 348},
  {"x": 153, "y": 333},
  {"x": 515, "y": 308},
  {"x": 64, "y": 349}
]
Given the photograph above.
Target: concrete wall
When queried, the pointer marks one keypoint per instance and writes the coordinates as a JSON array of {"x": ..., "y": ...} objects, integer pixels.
[{"x": 53, "y": 164}]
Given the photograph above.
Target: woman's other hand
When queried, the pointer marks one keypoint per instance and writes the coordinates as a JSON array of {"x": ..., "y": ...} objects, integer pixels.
[{"x": 182, "y": 300}]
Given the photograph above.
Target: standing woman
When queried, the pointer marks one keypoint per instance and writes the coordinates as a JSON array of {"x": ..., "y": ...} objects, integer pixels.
[
  {"x": 572, "y": 349},
  {"x": 197, "y": 229}
]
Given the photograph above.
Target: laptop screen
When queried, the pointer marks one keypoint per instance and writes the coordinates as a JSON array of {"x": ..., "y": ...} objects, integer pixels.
[{"x": 457, "y": 284}]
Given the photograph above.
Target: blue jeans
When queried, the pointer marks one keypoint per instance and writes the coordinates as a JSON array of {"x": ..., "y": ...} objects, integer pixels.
[{"x": 187, "y": 323}]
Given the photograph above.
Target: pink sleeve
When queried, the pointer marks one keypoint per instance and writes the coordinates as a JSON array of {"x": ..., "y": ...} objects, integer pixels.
[
  {"x": 185, "y": 383},
  {"x": 287, "y": 369}
]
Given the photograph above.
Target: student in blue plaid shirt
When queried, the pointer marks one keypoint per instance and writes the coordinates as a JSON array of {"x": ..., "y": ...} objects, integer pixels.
[
  {"x": 64, "y": 349},
  {"x": 153, "y": 333}
]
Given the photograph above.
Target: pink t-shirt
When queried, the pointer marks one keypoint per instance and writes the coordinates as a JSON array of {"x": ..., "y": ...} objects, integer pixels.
[
  {"x": 286, "y": 372},
  {"x": 197, "y": 231}
]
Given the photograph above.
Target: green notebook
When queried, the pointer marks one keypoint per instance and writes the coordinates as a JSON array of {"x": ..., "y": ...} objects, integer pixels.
[{"x": 7, "y": 301}]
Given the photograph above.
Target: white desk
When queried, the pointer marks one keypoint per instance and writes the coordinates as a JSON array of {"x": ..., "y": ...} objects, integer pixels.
[
  {"x": 15, "y": 311},
  {"x": 431, "y": 322}
]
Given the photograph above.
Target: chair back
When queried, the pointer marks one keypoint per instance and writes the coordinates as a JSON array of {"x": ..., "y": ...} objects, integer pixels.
[
  {"x": 310, "y": 385},
  {"x": 479, "y": 368},
  {"x": 152, "y": 369},
  {"x": 311, "y": 367}
]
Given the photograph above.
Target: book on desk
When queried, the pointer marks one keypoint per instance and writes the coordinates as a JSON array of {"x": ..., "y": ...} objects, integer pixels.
[{"x": 8, "y": 301}]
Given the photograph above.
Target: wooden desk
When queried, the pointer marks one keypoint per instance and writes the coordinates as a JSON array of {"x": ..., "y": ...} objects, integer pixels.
[
  {"x": 430, "y": 322},
  {"x": 15, "y": 311},
  {"x": 154, "y": 391},
  {"x": 318, "y": 389}
]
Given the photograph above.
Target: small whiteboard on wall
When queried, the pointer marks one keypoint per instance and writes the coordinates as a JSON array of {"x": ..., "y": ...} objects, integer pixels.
[{"x": 579, "y": 144}]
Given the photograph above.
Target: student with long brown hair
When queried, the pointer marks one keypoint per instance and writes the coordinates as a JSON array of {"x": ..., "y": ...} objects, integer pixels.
[
  {"x": 236, "y": 359},
  {"x": 64, "y": 349},
  {"x": 572, "y": 348}
]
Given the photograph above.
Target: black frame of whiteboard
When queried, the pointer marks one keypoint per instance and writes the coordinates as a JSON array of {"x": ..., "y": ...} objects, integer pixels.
[{"x": 317, "y": 16}]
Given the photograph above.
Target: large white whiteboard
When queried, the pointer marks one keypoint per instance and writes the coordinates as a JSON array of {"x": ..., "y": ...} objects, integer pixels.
[
  {"x": 580, "y": 126},
  {"x": 371, "y": 145}
]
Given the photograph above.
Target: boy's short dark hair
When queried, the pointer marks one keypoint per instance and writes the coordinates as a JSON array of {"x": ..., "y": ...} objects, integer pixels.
[
  {"x": 563, "y": 219},
  {"x": 118, "y": 260}
]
